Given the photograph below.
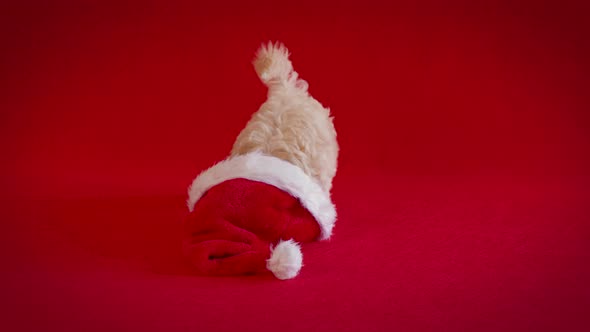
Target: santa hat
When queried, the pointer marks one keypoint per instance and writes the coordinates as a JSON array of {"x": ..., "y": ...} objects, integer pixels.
[{"x": 249, "y": 212}]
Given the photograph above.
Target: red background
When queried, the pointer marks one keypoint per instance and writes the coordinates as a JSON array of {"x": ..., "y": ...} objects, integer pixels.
[{"x": 462, "y": 189}]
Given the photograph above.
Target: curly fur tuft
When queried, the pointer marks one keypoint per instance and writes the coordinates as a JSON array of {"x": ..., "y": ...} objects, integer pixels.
[{"x": 272, "y": 63}]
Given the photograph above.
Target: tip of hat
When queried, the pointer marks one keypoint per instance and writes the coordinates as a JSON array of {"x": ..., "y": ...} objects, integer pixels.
[{"x": 285, "y": 260}]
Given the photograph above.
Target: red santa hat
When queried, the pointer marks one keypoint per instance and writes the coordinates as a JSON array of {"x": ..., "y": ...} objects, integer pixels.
[
  {"x": 249, "y": 212},
  {"x": 237, "y": 226}
]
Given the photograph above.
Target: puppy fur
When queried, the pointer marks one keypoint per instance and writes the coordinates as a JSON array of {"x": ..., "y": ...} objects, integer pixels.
[{"x": 291, "y": 124}]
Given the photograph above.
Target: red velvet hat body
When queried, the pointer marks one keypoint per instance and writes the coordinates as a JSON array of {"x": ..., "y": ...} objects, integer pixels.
[
  {"x": 247, "y": 214},
  {"x": 232, "y": 226}
]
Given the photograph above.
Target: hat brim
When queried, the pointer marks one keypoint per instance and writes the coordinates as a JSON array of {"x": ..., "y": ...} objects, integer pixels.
[{"x": 273, "y": 171}]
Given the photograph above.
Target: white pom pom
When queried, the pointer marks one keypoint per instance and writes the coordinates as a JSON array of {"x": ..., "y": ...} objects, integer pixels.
[{"x": 285, "y": 260}]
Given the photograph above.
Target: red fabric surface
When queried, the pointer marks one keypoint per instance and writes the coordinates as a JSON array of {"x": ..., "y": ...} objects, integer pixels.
[
  {"x": 462, "y": 191},
  {"x": 232, "y": 226}
]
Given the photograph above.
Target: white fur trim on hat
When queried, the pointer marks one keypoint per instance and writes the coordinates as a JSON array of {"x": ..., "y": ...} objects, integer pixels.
[
  {"x": 276, "y": 172},
  {"x": 285, "y": 260}
]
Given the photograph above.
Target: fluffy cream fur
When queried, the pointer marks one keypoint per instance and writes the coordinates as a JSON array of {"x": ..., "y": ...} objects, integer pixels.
[{"x": 291, "y": 124}]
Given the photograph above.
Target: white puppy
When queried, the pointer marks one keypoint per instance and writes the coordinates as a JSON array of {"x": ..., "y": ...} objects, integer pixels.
[
  {"x": 290, "y": 145},
  {"x": 291, "y": 124}
]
